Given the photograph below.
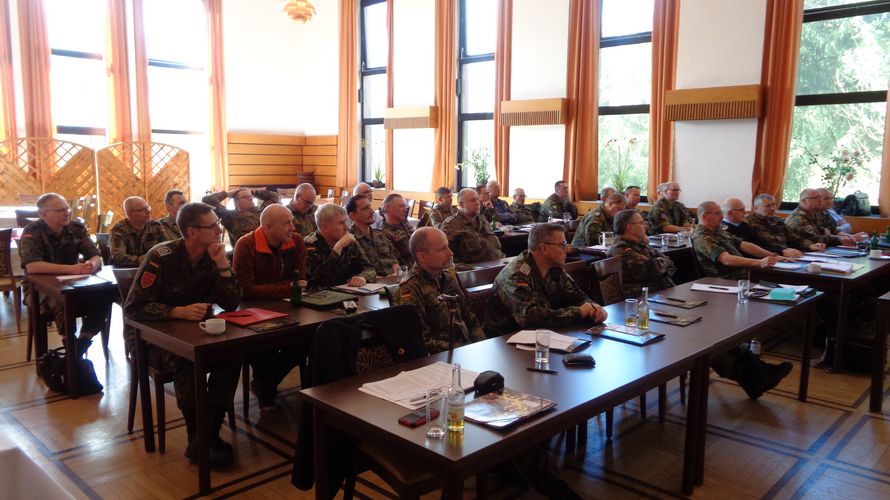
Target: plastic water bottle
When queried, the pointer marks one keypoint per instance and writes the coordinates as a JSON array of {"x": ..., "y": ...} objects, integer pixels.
[{"x": 455, "y": 402}]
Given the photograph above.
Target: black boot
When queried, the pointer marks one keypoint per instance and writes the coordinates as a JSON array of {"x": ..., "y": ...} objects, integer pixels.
[
  {"x": 191, "y": 451},
  {"x": 221, "y": 453},
  {"x": 81, "y": 345}
]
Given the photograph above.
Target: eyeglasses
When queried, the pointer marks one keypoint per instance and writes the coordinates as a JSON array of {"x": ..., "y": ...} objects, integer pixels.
[
  {"x": 736, "y": 209},
  {"x": 632, "y": 223},
  {"x": 215, "y": 225},
  {"x": 143, "y": 209},
  {"x": 66, "y": 209},
  {"x": 564, "y": 245},
  {"x": 719, "y": 212},
  {"x": 813, "y": 198}
]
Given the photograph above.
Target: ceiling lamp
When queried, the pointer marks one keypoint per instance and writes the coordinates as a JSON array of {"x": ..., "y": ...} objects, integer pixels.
[{"x": 299, "y": 10}]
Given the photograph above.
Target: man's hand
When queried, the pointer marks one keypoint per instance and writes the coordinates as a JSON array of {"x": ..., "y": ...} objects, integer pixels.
[
  {"x": 768, "y": 261},
  {"x": 817, "y": 247},
  {"x": 345, "y": 241},
  {"x": 592, "y": 311},
  {"x": 488, "y": 204},
  {"x": 191, "y": 312},
  {"x": 356, "y": 281},
  {"x": 395, "y": 269},
  {"x": 217, "y": 253},
  {"x": 81, "y": 268},
  {"x": 847, "y": 241},
  {"x": 304, "y": 284},
  {"x": 792, "y": 253}
]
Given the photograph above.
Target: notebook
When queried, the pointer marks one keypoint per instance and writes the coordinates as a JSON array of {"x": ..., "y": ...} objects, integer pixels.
[
  {"x": 325, "y": 298},
  {"x": 625, "y": 334},
  {"x": 503, "y": 410},
  {"x": 249, "y": 316}
]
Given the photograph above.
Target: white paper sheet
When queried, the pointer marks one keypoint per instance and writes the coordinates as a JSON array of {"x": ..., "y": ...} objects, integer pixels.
[
  {"x": 525, "y": 340},
  {"x": 701, "y": 287},
  {"x": 409, "y": 388}
]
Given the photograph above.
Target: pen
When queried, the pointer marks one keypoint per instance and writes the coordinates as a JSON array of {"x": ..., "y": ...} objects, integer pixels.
[
  {"x": 674, "y": 299},
  {"x": 666, "y": 315},
  {"x": 542, "y": 370},
  {"x": 581, "y": 346},
  {"x": 713, "y": 287}
]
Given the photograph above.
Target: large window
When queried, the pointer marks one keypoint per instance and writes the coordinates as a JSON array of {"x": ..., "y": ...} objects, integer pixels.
[
  {"x": 838, "y": 127},
  {"x": 372, "y": 88},
  {"x": 475, "y": 90},
  {"x": 625, "y": 91}
]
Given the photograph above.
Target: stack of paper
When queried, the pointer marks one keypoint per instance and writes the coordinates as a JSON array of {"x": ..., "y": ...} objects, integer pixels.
[
  {"x": 525, "y": 340},
  {"x": 409, "y": 388},
  {"x": 367, "y": 289}
]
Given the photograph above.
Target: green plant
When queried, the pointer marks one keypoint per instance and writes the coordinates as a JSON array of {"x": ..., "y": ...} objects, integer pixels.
[
  {"x": 616, "y": 158},
  {"x": 379, "y": 173},
  {"x": 478, "y": 160},
  {"x": 840, "y": 166}
]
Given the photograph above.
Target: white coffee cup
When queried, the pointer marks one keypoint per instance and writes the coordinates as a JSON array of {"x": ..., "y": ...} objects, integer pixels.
[
  {"x": 875, "y": 254},
  {"x": 213, "y": 326},
  {"x": 813, "y": 268}
]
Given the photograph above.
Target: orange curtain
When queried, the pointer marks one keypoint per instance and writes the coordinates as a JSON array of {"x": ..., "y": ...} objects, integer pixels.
[
  {"x": 216, "y": 133},
  {"x": 120, "y": 120},
  {"x": 664, "y": 73},
  {"x": 35, "y": 69},
  {"x": 8, "y": 126},
  {"x": 503, "y": 63},
  {"x": 347, "y": 130},
  {"x": 580, "y": 168},
  {"x": 143, "y": 129},
  {"x": 781, "y": 48},
  {"x": 389, "y": 90},
  {"x": 446, "y": 73},
  {"x": 884, "y": 189}
]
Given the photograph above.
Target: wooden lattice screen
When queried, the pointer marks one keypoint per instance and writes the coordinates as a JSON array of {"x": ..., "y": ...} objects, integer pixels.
[{"x": 146, "y": 169}]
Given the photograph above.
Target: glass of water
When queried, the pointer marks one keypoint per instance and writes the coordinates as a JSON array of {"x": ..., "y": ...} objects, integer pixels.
[
  {"x": 435, "y": 414},
  {"x": 744, "y": 290},
  {"x": 630, "y": 312},
  {"x": 542, "y": 346}
]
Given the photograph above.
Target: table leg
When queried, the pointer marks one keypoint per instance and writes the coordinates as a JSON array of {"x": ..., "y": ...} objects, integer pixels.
[
  {"x": 806, "y": 355},
  {"x": 876, "y": 399},
  {"x": 201, "y": 420},
  {"x": 70, "y": 347},
  {"x": 145, "y": 392},
  {"x": 453, "y": 486},
  {"x": 692, "y": 415},
  {"x": 702, "y": 424},
  {"x": 838, "y": 362},
  {"x": 37, "y": 323},
  {"x": 320, "y": 454}
]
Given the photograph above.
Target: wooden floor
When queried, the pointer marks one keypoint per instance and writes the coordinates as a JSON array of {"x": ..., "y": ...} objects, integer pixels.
[{"x": 775, "y": 447}]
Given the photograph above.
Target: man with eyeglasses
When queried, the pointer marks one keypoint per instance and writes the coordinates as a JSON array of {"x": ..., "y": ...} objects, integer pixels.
[
  {"x": 524, "y": 213},
  {"x": 376, "y": 246},
  {"x": 486, "y": 207},
  {"x": 598, "y": 220},
  {"x": 469, "y": 233},
  {"x": 734, "y": 219},
  {"x": 265, "y": 262},
  {"x": 832, "y": 223},
  {"x": 770, "y": 232},
  {"x": 246, "y": 215},
  {"x": 182, "y": 279},
  {"x": 174, "y": 199},
  {"x": 721, "y": 254},
  {"x": 668, "y": 215},
  {"x": 303, "y": 208},
  {"x": 558, "y": 203},
  {"x": 54, "y": 244},
  {"x": 534, "y": 291},
  {"x": 641, "y": 265},
  {"x": 804, "y": 221},
  {"x": 134, "y": 236}
]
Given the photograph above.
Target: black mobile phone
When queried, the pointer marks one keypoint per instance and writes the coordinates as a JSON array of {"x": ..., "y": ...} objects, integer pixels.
[{"x": 416, "y": 418}]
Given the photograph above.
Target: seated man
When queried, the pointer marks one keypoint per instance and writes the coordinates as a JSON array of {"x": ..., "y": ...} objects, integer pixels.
[
  {"x": 469, "y": 234},
  {"x": 606, "y": 193},
  {"x": 804, "y": 221},
  {"x": 428, "y": 280},
  {"x": 303, "y": 208},
  {"x": 174, "y": 199},
  {"x": 641, "y": 265},
  {"x": 486, "y": 207},
  {"x": 734, "y": 219},
  {"x": 668, "y": 215},
  {"x": 333, "y": 257},
  {"x": 266, "y": 262},
  {"x": 246, "y": 215},
  {"x": 833, "y": 223},
  {"x": 443, "y": 208},
  {"x": 53, "y": 245},
  {"x": 134, "y": 236},
  {"x": 364, "y": 189},
  {"x": 597, "y": 221},
  {"x": 771, "y": 233},
  {"x": 376, "y": 247},
  {"x": 524, "y": 213},
  {"x": 182, "y": 279},
  {"x": 558, "y": 203},
  {"x": 395, "y": 226},
  {"x": 632, "y": 193},
  {"x": 505, "y": 213},
  {"x": 534, "y": 291},
  {"x": 721, "y": 254}
]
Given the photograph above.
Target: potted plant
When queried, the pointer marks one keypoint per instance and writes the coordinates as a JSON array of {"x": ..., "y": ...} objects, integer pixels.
[
  {"x": 379, "y": 177},
  {"x": 477, "y": 159}
]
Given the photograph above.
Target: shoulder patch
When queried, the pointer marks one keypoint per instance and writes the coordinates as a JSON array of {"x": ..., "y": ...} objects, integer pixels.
[
  {"x": 163, "y": 251},
  {"x": 148, "y": 279},
  {"x": 525, "y": 268}
]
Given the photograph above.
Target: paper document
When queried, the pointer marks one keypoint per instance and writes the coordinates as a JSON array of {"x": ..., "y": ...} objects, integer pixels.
[
  {"x": 409, "y": 388},
  {"x": 366, "y": 289},
  {"x": 816, "y": 258},
  {"x": 701, "y": 287},
  {"x": 525, "y": 340},
  {"x": 789, "y": 266},
  {"x": 840, "y": 267},
  {"x": 69, "y": 277}
]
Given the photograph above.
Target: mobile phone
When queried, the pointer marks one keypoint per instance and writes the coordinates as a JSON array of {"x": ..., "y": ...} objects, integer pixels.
[{"x": 416, "y": 418}]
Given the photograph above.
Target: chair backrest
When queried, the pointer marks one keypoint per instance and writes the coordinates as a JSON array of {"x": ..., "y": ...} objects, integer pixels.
[
  {"x": 410, "y": 204},
  {"x": 78, "y": 207},
  {"x": 478, "y": 277},
  {"x": 89, "y": 213},
  {"x": 330, "y": 193},
  {"x": 609, "y": 281},
  {"x": 25, "y": 217},
  {"x": 423, "y": 220},
  {"x": 102, "y": 241},
  {"x": 5, "y": 251},
  {"x": 105, "y": 221},
  {"x": 124, "y": 277},
  {"x": 579, "y": 270},
  {"x": 286, "y": 194},
  {"x": 477, "y": 299}
]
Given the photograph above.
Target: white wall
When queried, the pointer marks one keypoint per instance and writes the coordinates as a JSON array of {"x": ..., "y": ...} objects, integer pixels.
[{"x": 720, "y": 43}]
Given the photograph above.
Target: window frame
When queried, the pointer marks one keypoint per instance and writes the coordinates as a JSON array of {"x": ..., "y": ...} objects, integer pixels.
[{"x": 365, "y": 171}]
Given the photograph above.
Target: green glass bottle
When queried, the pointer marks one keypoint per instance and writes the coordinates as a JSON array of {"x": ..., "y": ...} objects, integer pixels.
[
  {"x": 874, "y": 240},
  {"x": 296, "y": 294}
]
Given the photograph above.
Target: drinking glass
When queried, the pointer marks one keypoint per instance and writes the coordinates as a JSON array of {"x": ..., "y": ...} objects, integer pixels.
[
  {"x": 542, "y": 346},
  {"x": 744, "y": 289},
  {"x": 435, "y": 412},
  {"x": 630, "y": 312}
]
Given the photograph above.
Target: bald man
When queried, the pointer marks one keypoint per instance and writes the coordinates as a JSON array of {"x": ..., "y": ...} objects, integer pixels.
[
  {"x": 134, "y": 236},
  {"x": 804, "y": 221},
  {"x": 832, "y": 223},
  {"x": 303, "y": 208},
  {"x": 506, "y": 215},
  {"x": 734, "y": 219},
  {"x": 469, "y": 233}
]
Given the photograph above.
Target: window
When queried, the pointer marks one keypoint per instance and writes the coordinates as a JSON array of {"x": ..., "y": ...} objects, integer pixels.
[
  {"x": 372, "y": 88},
  {"x": 475, "y": 90},
  {"x": 838, "y": 122},
  {"x": 625, "y": 91}
]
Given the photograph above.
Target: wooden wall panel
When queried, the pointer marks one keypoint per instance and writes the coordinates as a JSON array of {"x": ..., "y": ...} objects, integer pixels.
[{"x": 275, "y": 160}]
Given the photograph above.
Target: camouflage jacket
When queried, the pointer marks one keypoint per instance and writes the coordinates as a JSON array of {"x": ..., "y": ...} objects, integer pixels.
[
  {"x": 170, "y": 228},
  {"x": 438, "y": 214},
  {"x": 421, "y": 289},
  {"x": 664, "y": 212},
  {"x": 129, "y": 245},
  {"x": 326, "y": 268},
  {"x": 524, "y": 213},
  {"x": 642, "y": 265},
  {"x": 555, "y": 207},
  {"x": 305, "y": 223},
  {"x": 490, "y": 214},
  {"x": 709, "y": 244},
  {"x": 399, "y": 235},
  {"x": 772, "y": 234},
  {"x": 806, "y": 228},
  {"x": 506, "y": 215},
  {"x": 237, "y": 223},
  {"x": 377, "y": 249},
  {"x": 591, "y": 226},
  {"x": 826, "y": 222},
  {"x": 522, "y": 299},
  {"x": 39, "y": 244},
  {"x": 471, "y": 240},
  {"x": 167, "y": 278}
]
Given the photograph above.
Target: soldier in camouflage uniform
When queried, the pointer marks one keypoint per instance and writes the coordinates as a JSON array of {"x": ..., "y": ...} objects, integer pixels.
[
  {"x": 443, "y": 207},
  {"x": 181, "y": 279},
  {"x": 558, "y": 203},
  {"x": 506, "y": 215},
  {"x": 376, "y": 247},
  {"x": 134, "y": 236},
  {"x": 395, "y": 226},
  {"x": 833, "y": 223},
  {"x": 428, "y": 279},
  {"x": 303, "y": 207},
  {"x": 469, "y": 235},
  {"x": 668, "y": 215},
  {"x": 719, "y": 253},
  {"x": 524, "y": 213},
  {"x": 771, "y": 233},
  {"x": 486, "y": 207},
  {"x": 641, "y": 265},
  {"x": 54, "y": 245},
  {"x": 246, "y": 216},
  {"x": 174, "y": 199},
  {"x": 534, "y": 291},
  {"x": 804, "y": 220},
  {"x": 597, "y": 221},
  {"x": 333, "y": 256}
]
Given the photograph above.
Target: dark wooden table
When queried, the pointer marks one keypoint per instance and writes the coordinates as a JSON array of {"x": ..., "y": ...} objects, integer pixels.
[
  {"x": 71, "y": 298},
  {"x": 876, "y": 399}
]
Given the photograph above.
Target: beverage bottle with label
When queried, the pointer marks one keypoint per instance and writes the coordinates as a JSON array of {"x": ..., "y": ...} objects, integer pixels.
[
  {"x": 296, "y": 294},
  {"x": 874, "y": 240},
  {"x": 455, "y": 402},
  {"x": 643, "y": 311}
]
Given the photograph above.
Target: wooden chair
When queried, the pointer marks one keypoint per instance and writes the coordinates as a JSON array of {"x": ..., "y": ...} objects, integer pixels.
[
  {"x": 104, "y": 244},
  {"x": 478, "y": 285},
  {"x": 89, "y": 213},
  {"x": 423, "y": 213},
  {"x": 410, "y": 204},
  {"x": 8, "y": 281},
  {"x": 78, "y": 207},
  {"x": 105, "y": 222},
  {"x": 23, "y": 217},
  {"x": 331, "y": 192}
]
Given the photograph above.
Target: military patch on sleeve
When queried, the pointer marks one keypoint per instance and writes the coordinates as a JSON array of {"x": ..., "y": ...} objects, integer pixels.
[
  {"x": 164, "y": 251},
  {"x": 525, "y": 269},
  {"x": 405, "y": 295},
  {"x": 148, "y": 279}
]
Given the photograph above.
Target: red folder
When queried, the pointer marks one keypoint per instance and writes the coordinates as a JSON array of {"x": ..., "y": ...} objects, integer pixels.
[{"x": 250, "y": 316}]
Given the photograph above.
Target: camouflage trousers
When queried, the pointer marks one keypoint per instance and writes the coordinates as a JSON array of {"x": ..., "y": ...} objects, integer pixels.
[
  {"x": 221, "y": 384},
  {"x": 93, "y": 316}
]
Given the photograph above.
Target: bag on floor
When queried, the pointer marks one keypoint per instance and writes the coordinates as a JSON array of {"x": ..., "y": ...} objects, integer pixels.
[{"x": 53, "y": 369}]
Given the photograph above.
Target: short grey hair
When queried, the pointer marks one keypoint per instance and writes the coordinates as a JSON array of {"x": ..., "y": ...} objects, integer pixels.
[
  {"x": 616, "y": 197},
  {"x": 538, "y": 233},
  {"x": 355, "y": 190},
  {"x": 128, "y": 202},
  {"x": 47, "y": 198},
  {"x": 763, "y": 198},
  {"x": 704, "y": 206},
  {"x": 726, "y": 206},
  {"x": 304, "y": 187},
  {"x": 328, "y": 211},
  {"x": 390, "y": 198},
  {"x": 622, "y": 220},
  {"x": 463, "y": 192},
  {"x": 420, "y": 240}
]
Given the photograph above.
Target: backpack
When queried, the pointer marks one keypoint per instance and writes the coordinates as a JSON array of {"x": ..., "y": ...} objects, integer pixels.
[
  {"x": 53, "y": 369},
  {"x": 856, "y": 204}
]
